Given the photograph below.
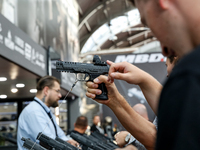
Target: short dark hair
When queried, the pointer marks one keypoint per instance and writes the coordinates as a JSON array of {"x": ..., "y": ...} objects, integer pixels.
[
  {"x": 46, "y": 81},
  {"x": 81, "y": 122}
]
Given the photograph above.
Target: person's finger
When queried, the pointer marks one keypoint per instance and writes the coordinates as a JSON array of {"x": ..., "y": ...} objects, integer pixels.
[
  {"x": 117, "y": 75},
  {"x": 109, "y": 62},
  {"x": 116, "y": 134},
  {"x": 112, "y": 68},
  {"x": 90, "y": 84},
  {"x": 77, "y": 145},
  {"x": 101, "y": 79},
  {"x": 94, "y": 91},
  {"x": 90, "y": 95},
  {"x": 74, "y": 143},
  {"x": 117, "y": 67},
  {"x": 110, "y": 79},
  {"x": 97, "y": 80}
]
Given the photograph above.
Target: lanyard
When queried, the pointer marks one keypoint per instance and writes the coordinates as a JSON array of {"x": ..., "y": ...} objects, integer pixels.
[{"x": 49, "y": 114}]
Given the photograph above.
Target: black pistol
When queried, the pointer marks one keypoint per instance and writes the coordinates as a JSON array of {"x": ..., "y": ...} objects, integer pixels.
[
  {"x": 65, "y": 143},
  {"x": 84, "y": 141},
  {"x": 90, "y": 71},
  {"x": 30, "y": 145},
  {"x": 51, "y": 143}
]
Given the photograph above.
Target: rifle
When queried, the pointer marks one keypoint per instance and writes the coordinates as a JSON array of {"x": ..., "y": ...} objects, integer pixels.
[
  {"x": 91, "y": 71},
  {"x": 28, "y": 144},
  {"x": 52, "y": 143}
]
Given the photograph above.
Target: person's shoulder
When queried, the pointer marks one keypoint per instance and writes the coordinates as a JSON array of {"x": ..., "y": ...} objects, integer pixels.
[
  {"x": 73, "y": 131},
  {"x": 31, "y": 108}
]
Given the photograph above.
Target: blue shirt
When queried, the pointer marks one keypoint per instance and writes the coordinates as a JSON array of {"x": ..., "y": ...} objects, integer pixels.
[{"x": 34, "y": 119}]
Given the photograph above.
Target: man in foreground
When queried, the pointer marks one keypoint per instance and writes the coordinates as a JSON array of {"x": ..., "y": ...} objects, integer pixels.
[{"x": 177, "y": 28}]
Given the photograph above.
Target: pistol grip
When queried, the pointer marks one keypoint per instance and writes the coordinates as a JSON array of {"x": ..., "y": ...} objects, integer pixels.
[
  {"x": 104, "y": 93},
  {"x": 102, "y": 87}
]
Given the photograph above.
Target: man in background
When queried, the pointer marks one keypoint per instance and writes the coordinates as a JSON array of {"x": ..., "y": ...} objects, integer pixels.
[
  {"x": 96, "y": 126},
  {"x": 80, "y": 127},
  {"x": 37, "y": 116}
]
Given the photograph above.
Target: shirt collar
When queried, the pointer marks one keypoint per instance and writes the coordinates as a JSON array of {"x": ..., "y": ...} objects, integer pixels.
[{"x": 43, "y": 104}]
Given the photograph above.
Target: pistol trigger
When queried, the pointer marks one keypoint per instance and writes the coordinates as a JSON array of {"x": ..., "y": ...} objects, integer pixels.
[
  {"x": 85, "y": 78},
  {"x": 77, "y": 77}
]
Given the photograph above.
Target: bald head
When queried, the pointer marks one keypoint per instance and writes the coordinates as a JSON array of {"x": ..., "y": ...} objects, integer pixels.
[{"x": 141, "y": 110}]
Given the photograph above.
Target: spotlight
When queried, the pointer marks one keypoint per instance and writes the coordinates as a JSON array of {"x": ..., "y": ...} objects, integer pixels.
[{"x": 20, "y": 85}]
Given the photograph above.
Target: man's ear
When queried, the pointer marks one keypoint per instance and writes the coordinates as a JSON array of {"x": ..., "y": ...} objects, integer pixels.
[
  {"x": 46, "y": 89},
  {"x": 85, "y": 128},
  {"x": 164, "y": 4}
]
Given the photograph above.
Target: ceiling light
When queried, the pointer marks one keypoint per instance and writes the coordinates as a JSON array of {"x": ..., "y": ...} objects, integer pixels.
[
  {"x": 3, "y": 78},
  {"x": 3, "y": 96},
  {"x": 14, "y": 90},
  {"x": 20, "y": 85},
  {"x": 33, "y": 90}
]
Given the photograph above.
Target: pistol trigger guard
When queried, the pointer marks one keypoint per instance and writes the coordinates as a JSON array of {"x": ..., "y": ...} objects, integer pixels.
[
  {"x": 77, "y": 77},
  {"x": 86, "y": 76}
]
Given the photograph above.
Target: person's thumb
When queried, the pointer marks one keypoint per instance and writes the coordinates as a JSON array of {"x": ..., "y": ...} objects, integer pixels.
[
  {"x": 118, "y": 75},
  {"x": 101, "y": 79}
]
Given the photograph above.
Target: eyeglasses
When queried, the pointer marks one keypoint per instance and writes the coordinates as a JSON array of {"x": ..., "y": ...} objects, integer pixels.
[{"x": 58, "y": 91}]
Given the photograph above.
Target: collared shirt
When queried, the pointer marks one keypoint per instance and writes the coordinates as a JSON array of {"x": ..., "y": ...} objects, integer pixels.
[{"x": 34, "y": 119}]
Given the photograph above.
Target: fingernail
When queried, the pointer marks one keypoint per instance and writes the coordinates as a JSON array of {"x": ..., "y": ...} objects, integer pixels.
[
  {"x": 92, "y": 96},
  {"x": 112, "y": 75},
  {"x": 96, "y": 80},
  {"x": 95, "y": 86},
  {"x": 98, "y": 92}
]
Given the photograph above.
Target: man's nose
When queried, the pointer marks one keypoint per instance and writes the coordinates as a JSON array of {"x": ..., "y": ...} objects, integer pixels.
[{"x": 60, "y": 95}]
